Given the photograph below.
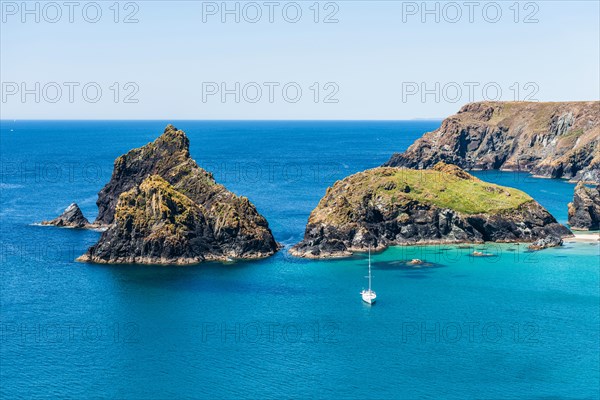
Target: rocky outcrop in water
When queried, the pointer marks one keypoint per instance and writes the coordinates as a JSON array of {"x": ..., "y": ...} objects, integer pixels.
[
  {"x": 553, "y": 140},
  {"x": 156, "y": 224},
  {"x": 397, "y": 206},
  {"x": 584, "y": 211},
  {"x": 161, "y": 207},
  {"x": 72, "y": 217},
  {"x": 544, "y": 243}
]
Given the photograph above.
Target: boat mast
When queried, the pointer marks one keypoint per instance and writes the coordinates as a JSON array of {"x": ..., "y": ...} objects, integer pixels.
[{"x": 369, "y": 268}]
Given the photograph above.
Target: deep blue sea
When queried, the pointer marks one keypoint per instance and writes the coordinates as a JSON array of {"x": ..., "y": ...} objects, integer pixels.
[{"x": 516, "y": 325}]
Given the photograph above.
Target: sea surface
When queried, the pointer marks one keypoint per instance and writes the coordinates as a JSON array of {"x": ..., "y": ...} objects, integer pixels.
[{"x": 516, "y": 324}]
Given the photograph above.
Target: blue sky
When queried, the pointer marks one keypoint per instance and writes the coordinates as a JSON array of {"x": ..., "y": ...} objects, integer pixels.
[{"x": 375, "y": 62}]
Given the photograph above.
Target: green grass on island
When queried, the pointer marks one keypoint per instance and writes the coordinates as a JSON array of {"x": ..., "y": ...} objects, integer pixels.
[{"x": 445, "y": 186}]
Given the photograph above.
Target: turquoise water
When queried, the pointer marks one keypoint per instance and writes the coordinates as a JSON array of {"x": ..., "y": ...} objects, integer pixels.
[{"x": 514, "y": 325}]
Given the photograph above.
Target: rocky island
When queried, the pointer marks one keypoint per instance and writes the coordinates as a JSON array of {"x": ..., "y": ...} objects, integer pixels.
[
  {"x": 584, "y": 211},
  {"x": 397, "y": 206},
  {"x": 552, "y": 140},
  {"x": 160, "y": 207},
  {"x": 72, "y": 217}
]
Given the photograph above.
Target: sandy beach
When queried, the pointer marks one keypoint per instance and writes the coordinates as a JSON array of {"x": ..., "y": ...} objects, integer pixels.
[{"x": 583, "y": 237}]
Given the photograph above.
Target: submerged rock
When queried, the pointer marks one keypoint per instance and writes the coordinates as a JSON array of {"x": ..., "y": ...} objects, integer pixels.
[
  {"x": 72, "y": 217},
  {"x": 554, "y": 140},
  {"x": 444, "y": 205},
  {"x": 584, "y": 211},
  {"x": 544, "y": 243},
  {"x": 161, "y": 207}
]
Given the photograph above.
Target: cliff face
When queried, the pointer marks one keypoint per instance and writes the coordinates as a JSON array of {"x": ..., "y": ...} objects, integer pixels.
[
  {"x": 156, "y": 224},
  {"x": 168, "y": 156},
  {"x": 584, "y": 211},
  {"x": 72, "y": 217},
  {"x": 554, "y": 140},
  {"x": 162, "y": 173},
  {"x": 397, "y": 206}
]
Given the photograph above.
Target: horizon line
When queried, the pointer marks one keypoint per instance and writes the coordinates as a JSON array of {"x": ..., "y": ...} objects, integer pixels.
[{"x": 222, "y": 120}]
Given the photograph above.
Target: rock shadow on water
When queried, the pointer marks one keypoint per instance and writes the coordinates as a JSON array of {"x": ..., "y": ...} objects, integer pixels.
[
  {"x": 411, "y": 275},
  {"x": 207, "y": 277},
  {"x": 362, "y": 257},
  {"x": 406, "y": 266}
]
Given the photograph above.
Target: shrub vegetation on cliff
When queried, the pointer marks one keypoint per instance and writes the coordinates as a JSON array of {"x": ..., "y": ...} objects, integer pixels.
[
  {"x": 398, "y": 206},
  {"x": 445, "y": 186}
]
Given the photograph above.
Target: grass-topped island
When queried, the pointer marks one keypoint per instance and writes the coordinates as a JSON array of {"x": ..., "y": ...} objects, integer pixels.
[{"x": 398, "y": 206}]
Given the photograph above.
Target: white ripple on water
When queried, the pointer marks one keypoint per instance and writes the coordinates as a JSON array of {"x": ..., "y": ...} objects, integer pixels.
[{"x": 11, "y": 186}]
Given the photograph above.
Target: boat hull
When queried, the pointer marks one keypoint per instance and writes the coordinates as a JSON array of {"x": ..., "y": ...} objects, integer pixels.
[{"x": 368, "y": 297}]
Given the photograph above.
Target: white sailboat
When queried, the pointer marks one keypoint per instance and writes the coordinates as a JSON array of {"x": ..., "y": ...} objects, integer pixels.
[{"x": 369, "y": 295}]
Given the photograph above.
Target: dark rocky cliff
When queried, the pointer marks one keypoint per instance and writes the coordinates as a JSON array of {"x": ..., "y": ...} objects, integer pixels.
[
  {"x": 554, "y": 140},
  {"x": 223, "y": 225},
  {"x": 396, "y": 206},
  {"x": 584, "y": 211}
]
